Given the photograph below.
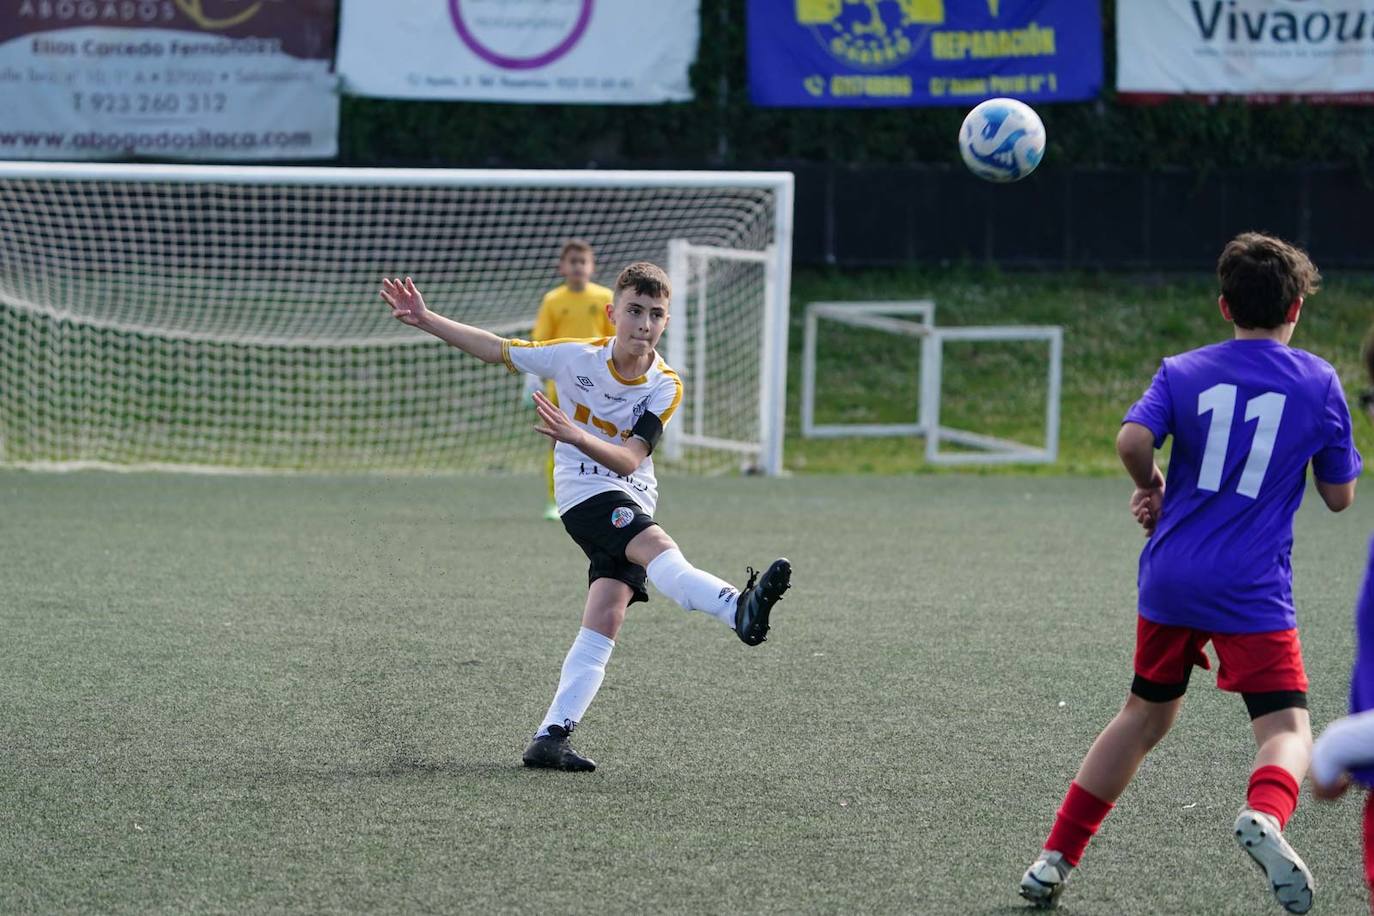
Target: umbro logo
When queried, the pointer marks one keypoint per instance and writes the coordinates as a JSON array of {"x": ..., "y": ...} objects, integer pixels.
[{"x": 585, "y": 382}]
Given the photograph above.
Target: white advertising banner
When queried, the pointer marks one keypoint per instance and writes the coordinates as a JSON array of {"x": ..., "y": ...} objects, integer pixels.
[
  {"x": 1312, "y": 48},
  {"x": 578, "y": 51},
  {"x": 167, "y": 79}
]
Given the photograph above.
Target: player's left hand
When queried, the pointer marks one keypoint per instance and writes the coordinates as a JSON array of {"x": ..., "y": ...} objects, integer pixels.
[
  {"x": 1146, "y": 503},
  {"x": 556, "y": 426}
]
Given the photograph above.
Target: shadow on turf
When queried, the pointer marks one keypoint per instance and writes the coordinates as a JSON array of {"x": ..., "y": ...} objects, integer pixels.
[{"x": 402, "y": 768}]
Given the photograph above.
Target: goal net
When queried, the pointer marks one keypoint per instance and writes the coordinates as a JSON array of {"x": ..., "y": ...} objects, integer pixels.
[{"x": 224, "y": 317}]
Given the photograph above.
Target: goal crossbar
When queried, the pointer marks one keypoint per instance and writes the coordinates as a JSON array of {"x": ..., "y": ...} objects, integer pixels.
[{"x": 382, "y": 177}]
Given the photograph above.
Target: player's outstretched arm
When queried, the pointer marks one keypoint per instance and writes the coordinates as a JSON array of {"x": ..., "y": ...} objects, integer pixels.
[
  {"x": 408, "y": 307},
  {"x": 623, "y": 459},
  {"x": 1345, "y": 745}
]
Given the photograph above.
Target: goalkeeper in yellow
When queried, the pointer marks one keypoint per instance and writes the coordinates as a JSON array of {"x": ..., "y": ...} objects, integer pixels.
[{"x": 576, "y": 309}]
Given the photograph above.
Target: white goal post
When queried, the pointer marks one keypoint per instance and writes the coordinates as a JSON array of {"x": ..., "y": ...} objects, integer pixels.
[
  {"x": 227, "y": 318},
  {"x": 704, "y": 278},
  {"x": 916, "y": 319}
]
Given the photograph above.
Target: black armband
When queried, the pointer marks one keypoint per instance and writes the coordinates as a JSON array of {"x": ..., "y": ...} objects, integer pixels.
[{"x": 649, "y": 428}]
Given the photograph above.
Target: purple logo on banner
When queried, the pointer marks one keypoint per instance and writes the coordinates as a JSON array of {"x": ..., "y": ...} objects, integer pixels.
[{"x": 508, "y": 62}]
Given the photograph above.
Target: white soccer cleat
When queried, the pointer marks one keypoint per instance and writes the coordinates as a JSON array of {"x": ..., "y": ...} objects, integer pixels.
[
  {"x": 1044, "y": 881},
  {"x": 1259, "y": 835}
]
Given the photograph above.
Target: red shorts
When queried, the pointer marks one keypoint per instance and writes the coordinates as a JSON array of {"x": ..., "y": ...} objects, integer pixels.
[{"x": 1249, "y": 662}]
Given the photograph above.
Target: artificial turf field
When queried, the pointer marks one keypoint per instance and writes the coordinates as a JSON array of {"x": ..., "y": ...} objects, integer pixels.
[{"x": 309, "y": 694}]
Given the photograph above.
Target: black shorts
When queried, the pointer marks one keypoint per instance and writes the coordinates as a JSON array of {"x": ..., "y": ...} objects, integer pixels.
[{"x": 603, "y": 526}]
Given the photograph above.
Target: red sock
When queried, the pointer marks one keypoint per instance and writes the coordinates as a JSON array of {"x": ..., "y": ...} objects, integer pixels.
[
  {"x": 1369, "y": 841},
  {"x": 1076, "y": 823},
  {"x": 1274, "y": 791}
]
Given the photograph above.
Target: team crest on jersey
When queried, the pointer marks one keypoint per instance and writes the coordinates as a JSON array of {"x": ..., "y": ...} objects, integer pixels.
[
  {"x": 640, "y": 406},
  {"x": 622, "y": 516}
]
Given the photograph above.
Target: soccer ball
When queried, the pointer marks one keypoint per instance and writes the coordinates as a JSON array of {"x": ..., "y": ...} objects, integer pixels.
[{"x": 1002, "y": 140}]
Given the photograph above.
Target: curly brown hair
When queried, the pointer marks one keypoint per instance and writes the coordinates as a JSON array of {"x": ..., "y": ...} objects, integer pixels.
[
  {"x": 646, "y": 279},
  {"x": 1261, "y": 276}
]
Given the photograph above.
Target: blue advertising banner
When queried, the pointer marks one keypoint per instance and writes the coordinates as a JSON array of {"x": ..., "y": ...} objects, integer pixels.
[{"x": 888, "y": 53}]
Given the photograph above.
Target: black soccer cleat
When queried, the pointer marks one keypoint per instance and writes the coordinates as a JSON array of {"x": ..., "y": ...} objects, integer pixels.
[
  {"x": 554, "y": 752},
  {"x": 755, "y": 601}
]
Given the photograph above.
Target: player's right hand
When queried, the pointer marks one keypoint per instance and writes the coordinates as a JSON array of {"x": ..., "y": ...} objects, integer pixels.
[{"x": 407, "y": 305}]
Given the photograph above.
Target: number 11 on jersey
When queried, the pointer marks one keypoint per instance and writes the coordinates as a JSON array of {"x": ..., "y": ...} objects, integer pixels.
[{"x": 1220, "y": 401}]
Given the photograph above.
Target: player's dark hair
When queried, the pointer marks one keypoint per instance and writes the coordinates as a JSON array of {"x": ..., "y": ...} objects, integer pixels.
[
  {"x": 572, "y": 245},
  {"x": 1261, "y": 276},
  {"x": 645, "y": 279}
]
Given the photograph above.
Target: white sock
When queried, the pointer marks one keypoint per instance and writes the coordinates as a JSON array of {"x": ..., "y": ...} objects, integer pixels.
[
  {"x": 583, "y": 671},
  {"x": 692, "y": 588}
]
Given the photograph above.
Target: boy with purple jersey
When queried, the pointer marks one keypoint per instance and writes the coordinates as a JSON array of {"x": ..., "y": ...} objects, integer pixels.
[
  {"x": 1247, "y": 416},
  {"x": 1345, "y": 751}
]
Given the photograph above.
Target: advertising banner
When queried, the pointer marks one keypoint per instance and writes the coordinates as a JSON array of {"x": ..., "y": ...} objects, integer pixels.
[
  {"x": 580, "y": 51},
  {"x": 885, "y": 53},
  {"x": 167, "y": 79},
  {"x": 1322, "y": 50}
]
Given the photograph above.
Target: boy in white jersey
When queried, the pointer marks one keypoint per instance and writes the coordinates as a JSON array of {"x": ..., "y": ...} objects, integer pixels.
[{"x": 620, "y": 394}]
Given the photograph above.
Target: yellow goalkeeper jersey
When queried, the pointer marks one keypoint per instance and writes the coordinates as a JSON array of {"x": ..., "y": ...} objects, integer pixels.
[{"x": 566, "y": 314}]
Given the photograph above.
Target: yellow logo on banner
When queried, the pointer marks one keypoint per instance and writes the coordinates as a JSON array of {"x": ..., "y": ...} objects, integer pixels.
[
  {"x": 931, "y": 11},
  {"x": 823, "y": 12},
  {"x": 196, "y": 10},
  {"x": 871, "y": 34}
]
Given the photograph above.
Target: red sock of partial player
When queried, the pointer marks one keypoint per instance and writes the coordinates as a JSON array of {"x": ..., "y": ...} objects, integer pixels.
[
  {"x": 1369, "y": 844},
  {"x": 1076, "y": 823},
  {"x": 1274, "y": 791}
]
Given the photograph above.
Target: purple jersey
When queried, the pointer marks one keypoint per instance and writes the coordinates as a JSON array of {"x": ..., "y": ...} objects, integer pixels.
[
  {"x": 1246, "y": 416},
  {"x": 1362, "y": 677}
]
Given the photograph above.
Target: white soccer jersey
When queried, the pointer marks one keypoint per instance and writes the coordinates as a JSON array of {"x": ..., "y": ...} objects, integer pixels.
[{"x": 593, "y": 394}]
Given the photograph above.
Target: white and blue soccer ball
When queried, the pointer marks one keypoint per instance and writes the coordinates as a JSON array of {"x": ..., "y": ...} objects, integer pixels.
[{"x": 1002, "y": 140}]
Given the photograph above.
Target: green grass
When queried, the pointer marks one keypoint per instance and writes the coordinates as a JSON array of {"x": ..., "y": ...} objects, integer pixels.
[
  {"x": 1117, "y": 327},
  {"x": 309, "y": 695}
]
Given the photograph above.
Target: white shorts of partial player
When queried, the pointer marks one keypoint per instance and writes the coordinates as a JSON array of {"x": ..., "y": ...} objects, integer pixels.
[{"x": 916, "y": 320}]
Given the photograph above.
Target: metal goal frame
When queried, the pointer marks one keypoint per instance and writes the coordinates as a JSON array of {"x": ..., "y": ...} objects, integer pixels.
[{"x": 916, "y": 319}]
